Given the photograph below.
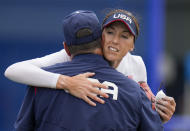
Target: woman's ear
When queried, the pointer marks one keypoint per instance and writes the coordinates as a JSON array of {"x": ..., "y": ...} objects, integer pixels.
[
  {"x": 66, "y": 48},
  {"x": 132, "y": 47}
]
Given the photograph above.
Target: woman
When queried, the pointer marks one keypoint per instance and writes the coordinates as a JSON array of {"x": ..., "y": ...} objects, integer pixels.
[{"x": 120, "y": 29}]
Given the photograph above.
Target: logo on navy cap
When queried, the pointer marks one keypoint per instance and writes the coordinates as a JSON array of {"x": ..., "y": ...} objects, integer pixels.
[
  {"x": 125, "y": 18},
  {"x": 122, "y": 16}
]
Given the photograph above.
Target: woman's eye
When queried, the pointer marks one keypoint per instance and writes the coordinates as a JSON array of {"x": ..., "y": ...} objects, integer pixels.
[
  {"x": 109, "y": 32},
  {"x": 124, "y": 36}
]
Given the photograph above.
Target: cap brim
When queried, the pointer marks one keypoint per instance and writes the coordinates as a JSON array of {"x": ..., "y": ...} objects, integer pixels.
[{"x": 120, "y": 20}]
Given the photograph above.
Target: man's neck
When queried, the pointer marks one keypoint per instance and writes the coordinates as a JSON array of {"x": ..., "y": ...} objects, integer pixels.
[{"x": 97, "y": 51}]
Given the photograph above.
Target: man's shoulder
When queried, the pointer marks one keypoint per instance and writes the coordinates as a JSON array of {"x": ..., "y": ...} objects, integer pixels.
[
  {"x": 124, "y": 81},
  {"x": 60, "y": 67}
]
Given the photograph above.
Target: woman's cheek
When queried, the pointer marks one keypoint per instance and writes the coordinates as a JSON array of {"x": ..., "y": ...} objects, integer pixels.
[{"x": 103, "y": 38}]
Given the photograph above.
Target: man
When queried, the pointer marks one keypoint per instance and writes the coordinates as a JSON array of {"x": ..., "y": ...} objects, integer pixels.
[{"x": 127, "y": 107}]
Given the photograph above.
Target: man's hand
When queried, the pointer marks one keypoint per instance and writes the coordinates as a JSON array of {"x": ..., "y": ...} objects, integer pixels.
[
  {"x": 79, "y": 86},
  {"x": 166, "y": 108}
]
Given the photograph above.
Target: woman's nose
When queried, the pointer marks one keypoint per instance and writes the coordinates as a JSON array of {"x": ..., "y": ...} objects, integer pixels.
[{"x": 115, "y": 39}]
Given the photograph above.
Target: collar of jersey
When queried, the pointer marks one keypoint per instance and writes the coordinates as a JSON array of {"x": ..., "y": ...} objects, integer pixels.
[{"x": 90, "y": 58}]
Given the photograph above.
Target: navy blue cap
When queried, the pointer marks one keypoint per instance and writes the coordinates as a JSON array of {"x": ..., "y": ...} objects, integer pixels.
[
  {"x": 126, "y": 19},
  {"x": 77, "y": 20}
]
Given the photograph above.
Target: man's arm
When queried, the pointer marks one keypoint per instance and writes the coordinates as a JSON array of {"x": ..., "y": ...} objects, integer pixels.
[
  {"x": 165, "y": 106},
  {"x": 149, "y": 118},
  {"x": 137, "y": 71},
  {"x": 26, "y": 118}
]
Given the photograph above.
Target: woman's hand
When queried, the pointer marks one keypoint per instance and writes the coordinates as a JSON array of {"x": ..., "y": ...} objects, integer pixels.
[
  {"x": 79, "y": 86},
  {"x": 166, "y": 108}
]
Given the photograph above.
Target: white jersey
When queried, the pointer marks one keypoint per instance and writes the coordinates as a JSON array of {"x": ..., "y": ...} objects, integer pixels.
[
  {"x": 29, "y": 72},
  {"x": 132, "y": 65}
]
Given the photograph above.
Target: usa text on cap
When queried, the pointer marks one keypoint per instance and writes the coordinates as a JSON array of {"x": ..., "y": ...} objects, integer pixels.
[{"x": 126, "y": 19}]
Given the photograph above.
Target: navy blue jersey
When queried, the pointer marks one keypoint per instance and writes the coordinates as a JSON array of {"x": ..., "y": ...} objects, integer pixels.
[{"x": 126, "y": 109}]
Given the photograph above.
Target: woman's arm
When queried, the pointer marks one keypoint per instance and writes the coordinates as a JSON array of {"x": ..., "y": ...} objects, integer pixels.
[
  {"x": 165, "y": 106},
  {"x": 134, "y": 67},
  {"x": 30, "y": 73}
]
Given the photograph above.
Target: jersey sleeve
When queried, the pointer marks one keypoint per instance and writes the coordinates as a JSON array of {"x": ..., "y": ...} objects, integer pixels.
[
  {"x": 29, "y": 72},
  {"x": 133, "y": 66},
  {"x": 150, "y": 119},
  {"x": 141, "y": 69}
]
